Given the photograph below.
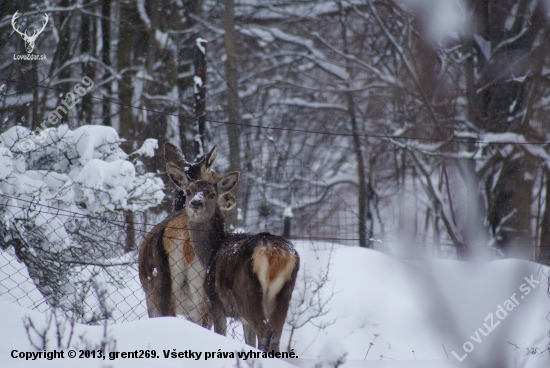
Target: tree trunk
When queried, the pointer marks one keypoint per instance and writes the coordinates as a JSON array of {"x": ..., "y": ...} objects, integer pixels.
[
  {"x": 62, "y": 53},
  {"x": 191, "y": 9},
  {"x": 356, "y": 142},
  {"x": 200, "y": 97},
  {"x": 106, "y": 58},
  {"x": 232, "y": 101},
  {"x": 544, "y": 251},
  {"x": 156, "y": 124},
  {"x": 86, "y": 108},
  {"x": 500, "y": 103},
  {"x": 124, "y": 54},
  {"x": 127, "y": 129}
]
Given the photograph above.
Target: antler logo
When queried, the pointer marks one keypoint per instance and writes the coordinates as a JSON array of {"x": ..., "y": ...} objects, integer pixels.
[{"x": 29, "y": 40}]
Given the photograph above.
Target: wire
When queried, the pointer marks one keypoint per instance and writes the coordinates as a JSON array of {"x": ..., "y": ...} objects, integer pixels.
[
  {"x": 69, "y": 213},
  {"x": 364, "y": 135}
]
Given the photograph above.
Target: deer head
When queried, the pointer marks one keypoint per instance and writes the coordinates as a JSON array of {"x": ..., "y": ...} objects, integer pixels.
[
  {"x": 201, "y": 196},
  {"x": 29, "y": 40},
  {"x": 202, "y": 169}
]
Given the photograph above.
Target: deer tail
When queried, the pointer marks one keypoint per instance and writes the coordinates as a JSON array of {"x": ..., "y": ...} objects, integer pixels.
[{"x": 273, "y": 261}]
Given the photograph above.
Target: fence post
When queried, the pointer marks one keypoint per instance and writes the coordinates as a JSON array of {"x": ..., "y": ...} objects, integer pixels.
[
  {"x": 130, "y": 241},
  {"x": 287, "y": 217},
  {"x": 199, "y": 89}
]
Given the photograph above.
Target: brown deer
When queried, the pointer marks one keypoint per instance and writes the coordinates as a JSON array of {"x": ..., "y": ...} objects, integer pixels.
[
  {"x": 170, "y": 273},
  {"x": 250, "y": 276}
]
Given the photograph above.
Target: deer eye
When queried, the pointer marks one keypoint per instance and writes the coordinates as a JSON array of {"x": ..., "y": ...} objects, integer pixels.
[
  {"x": 187, "y": 192},
  {"x": 211, "y": 196}
]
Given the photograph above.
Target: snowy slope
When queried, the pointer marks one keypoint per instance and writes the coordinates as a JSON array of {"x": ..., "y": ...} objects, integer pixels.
[
  {"x": 420, "y": 311},
  {"x": 424, "y": 310}
]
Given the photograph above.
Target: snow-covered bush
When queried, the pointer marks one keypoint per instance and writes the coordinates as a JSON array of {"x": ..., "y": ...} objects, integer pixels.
[{"x": 63, "y": 200}]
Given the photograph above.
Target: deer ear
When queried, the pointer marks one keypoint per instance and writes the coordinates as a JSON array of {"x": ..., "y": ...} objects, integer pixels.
[
  {"x": 207, "y": 162},
  {"x": 227, "y": 183},
  {"x": 178, "y": 176},
  {"x": 214, "y": 177},
  {"x": 227, "y": 201},
  {"x": 173, "y": 155}
]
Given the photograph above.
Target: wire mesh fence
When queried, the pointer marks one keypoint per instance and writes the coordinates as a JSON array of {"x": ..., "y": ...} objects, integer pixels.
[
  {"x": 76, "y": 211},
  {"x": 73, "y": 245}
]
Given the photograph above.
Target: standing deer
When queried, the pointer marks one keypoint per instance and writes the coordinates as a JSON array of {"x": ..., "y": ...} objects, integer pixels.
[
  {"x": 250, "y": 276},
  {"x": 170, "y": 273}
]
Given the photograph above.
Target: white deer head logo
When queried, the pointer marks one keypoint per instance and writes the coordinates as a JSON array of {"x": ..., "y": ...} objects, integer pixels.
[{"x": 29, "y": 40}]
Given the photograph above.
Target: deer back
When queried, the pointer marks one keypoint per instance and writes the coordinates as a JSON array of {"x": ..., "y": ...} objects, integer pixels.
[{"x": 251, "y": 279}]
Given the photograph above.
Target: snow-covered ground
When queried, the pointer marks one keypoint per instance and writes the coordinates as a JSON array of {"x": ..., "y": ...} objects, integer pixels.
[{"x": 385, "y": 312}]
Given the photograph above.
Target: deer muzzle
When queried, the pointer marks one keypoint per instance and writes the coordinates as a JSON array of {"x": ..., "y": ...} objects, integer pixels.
[{"x": 195, "y": 204}]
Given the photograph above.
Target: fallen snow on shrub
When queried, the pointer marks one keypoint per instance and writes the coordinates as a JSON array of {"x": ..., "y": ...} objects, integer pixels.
[{"x": 64, "y": 197}]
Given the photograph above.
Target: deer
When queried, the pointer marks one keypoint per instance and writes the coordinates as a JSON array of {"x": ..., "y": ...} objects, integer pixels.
[
  {"x": 169, "y": 271},
  {"x": 250, "y": 277},
  {"x": 29, "y": 40}
]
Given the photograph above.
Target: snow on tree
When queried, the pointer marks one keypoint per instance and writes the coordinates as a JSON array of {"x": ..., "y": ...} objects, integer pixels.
[{"x": 62, "y": 206}]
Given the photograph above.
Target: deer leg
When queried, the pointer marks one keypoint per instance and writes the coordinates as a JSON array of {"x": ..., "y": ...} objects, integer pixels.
[
  {"x": 200, "y": 312},
  {"x": 278, "y": 315},
  {"x": 220, "y": 321},
  {"x": 265, "y": 335},
  {"x": 261, "y": 325},
  {"x": 179, "y": 282},
  {"x": 152, "y": 308},
  {"x": 249, "y": 334}
]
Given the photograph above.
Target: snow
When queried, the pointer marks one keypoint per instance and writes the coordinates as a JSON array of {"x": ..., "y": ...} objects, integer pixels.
[
  {"x": 165, "y": 41},
  {"x": 197, "y": 84},
  {"x": 198, "y": 197},
  {"x": 87, "y": 164},
  {"x": 511, "y": 17},
  {"x": 314, "y": 54},
  {"x": 199, "y": 42},
  {"x": 255, "y": 32},
  {"x": 333, "y": 351},
  {"x": 46, "y": 194},
  {"x": 312, "y": 104},
  {"x": 143, "y": 13},
  {"x": 148, "y": 147},
  {"x": 420, "y": 305},
  {"x": 288, "y": 212},
  {"x": 484, "y": 45},
  {"x": 96, "y": 141},
  {"x": 393, "y": 312},
  {"x": 160, "y": 334},
  {"x": 115, "y": 178},
  {"x": 6, "y": 163},
  {"x": 16, "y": 285}
]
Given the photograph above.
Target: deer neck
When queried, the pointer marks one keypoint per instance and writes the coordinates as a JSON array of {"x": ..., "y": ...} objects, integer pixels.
[{"x": 206, "y": 237}]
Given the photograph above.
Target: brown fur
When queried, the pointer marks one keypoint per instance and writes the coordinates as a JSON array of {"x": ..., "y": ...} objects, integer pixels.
[
  {"x": 277, "y": 259},
  {"x": 154, "y": 272},
  {"x": 157, "y": 279},
  {"x": 235, "y": 287},
  {"x": 188, "y": 252},
  {"x": 250, "y": 276},
  {"x": 178, "y": 229}
]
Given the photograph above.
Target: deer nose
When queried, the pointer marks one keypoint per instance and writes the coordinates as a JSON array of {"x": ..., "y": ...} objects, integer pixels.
[{"x": 195, "y": 203}]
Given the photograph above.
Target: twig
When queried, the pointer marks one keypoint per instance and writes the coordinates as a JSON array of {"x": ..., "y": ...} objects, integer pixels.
[{"x": 370, "y": 345}]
